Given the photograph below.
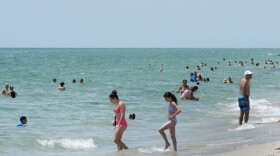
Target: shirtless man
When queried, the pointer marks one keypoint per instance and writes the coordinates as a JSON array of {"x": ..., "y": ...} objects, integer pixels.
[{"x": 243, "y": 98}]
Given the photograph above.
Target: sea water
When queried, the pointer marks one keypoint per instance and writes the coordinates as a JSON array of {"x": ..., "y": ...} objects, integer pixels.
[{"x": 78, "y": 121}]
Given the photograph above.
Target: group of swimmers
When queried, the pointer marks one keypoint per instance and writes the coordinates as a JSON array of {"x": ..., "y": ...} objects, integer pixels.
[
  {"x": 62, "y": 87},
  {"x": 10, "y": 93}
]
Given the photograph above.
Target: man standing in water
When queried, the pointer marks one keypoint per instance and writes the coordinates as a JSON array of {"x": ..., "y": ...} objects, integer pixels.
[{"x": 243, "y": 98}]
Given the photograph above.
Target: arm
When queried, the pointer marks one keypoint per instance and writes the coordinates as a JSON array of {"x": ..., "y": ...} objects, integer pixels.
[
  {"x": 177, "y": 112},
  {"x": 179, "y": 89}
]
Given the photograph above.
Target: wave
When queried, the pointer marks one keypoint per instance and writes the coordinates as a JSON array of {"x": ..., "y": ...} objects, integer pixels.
[
  {"x": 245, "y": 126},
  {"x": 74, "y": 144}
]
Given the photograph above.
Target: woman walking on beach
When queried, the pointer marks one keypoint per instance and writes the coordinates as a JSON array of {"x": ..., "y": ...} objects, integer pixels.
[
  {"x": 173, "y": 110},
  {"x": 120, "y": 121}
]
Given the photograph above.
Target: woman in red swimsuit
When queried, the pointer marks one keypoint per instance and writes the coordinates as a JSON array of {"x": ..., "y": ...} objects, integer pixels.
[{"x": 121, "y": 123}]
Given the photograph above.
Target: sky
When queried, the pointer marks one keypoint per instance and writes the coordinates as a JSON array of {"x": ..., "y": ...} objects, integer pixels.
[{"x": 140, "y": 24}]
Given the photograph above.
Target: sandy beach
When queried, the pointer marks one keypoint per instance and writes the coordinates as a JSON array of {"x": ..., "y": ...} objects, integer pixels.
[{"x": 268, "y": 149}]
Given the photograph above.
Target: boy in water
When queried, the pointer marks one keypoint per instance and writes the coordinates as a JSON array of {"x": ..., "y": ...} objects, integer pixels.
[{"x": 23, "y": 121}]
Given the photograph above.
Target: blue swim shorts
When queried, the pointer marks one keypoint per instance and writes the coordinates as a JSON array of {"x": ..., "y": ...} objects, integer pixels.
[{"x": 242, "y": 104}]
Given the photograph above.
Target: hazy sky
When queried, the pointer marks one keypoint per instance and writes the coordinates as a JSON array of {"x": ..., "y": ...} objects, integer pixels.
[{"x": 140, "y": 23}]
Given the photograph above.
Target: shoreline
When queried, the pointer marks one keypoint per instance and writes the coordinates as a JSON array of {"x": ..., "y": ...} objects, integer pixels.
[{"x": 267, "y": 149}]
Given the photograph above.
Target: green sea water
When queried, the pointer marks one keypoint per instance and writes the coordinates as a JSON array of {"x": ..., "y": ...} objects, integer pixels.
[{"x": 78, "y": 120}]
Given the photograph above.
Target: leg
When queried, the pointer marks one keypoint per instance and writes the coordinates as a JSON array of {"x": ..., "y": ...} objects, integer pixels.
[
  {"x": 161, "y": 131},
  {"x": 246, "y": 116},
  {"x": 173, "y": 137},
  {"x": 118, "y": 136},
  {"x": 241, "y": 117}
]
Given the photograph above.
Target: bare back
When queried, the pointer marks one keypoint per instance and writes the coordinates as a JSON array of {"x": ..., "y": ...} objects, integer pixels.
[{"x": 244, "y": 87}]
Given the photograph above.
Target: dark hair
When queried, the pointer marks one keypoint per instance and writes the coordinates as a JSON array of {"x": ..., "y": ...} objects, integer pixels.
[
  {"x": 74, "y": 81},
  {"x": 13, "y": 94},
  {"x": 114, "y": 95},
  {"x": 194, "y": 88},
  {"x": 62, "y": 84},
  {"x": 170, "y": 95},
  {"x": 22, "y": 118}
]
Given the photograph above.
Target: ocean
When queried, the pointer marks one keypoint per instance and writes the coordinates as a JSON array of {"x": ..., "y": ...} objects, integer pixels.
[{"x": 78, "y": 121}]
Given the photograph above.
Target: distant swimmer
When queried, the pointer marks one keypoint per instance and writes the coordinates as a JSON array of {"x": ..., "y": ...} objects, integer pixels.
[
  {"x": 228, "y": 80},
  {"x": 73, "y": 81},
  {"x": 173, "y": 111},
  {"x": 243, "y": 98},
  {"x": 12, "y": 93},
  {"x": 6, "y": 89},
  {"x": 120, "y": 122},
  {"x": 82, "y": 81},
  {"x": 61, "y": 88},
  {"x": 54, "y": 80},
  {"x": 189, "y": 94},
  {"x": 23, "y": 121},
  {"x": 161, "y": 68},
  {"x": 183, "y": 87}
]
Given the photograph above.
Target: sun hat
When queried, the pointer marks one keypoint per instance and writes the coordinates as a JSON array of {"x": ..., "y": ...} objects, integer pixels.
[{"x": 248, "y": 72}]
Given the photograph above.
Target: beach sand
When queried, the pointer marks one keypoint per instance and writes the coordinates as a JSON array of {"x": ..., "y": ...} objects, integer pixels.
[{"x": 268, "y": 149}]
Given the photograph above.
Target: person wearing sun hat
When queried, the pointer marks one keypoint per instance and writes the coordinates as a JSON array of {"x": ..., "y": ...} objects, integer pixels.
[{"x": 243, "y": 98}]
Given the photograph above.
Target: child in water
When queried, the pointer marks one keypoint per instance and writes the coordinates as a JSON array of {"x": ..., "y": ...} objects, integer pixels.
[{"x": 23, "y": 121}]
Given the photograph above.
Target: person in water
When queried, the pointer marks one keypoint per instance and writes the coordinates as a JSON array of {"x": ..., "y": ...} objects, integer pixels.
[
  {"x": 23, "y": 121},
  {"x": 188, "y": 94},
  {"x": 173, "y": 110},
  {"x": 183, "y": 87},
  {"x": 120, "y": 122},
  {"x": 5, "y": 89},
  {"x": 61, "y": 88},
  {"x": 82, "y": 81},
  {"x": 243, "y": 98},
  {"x": 12, "y": 93}
]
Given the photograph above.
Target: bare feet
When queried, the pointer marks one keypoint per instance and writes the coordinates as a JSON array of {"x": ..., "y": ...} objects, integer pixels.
[{"x": 166, "y": 146}]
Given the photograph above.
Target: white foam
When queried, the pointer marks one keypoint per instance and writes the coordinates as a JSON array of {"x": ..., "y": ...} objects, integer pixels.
[
  {"x": 245, "y": 127},
  {"x": 68, "y": 143},
  {"x": 152, "y": 150}
]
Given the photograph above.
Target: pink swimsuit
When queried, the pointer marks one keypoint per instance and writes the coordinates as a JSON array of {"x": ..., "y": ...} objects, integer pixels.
[
  {"x": 124, "y": 123},
  {"x": 186, "y": 94}
]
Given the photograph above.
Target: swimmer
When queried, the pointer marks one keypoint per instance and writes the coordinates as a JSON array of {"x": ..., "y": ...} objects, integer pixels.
[
  {"x": 183, "y": 87},
  {"x": 161, "y": 68},
  {"x": 228, "y": 80},
  {"x": 173, "y": 111},
  {"x": 73, "y": 81},
  {"x": 23, "y": 121},
  {"x": 120, "y": 122},
  {"x": 61, "y": 88},
  {"x": 12, "y": 93},
  {"x": 54, "y": 80},
  {"x": 6, "y": 89},
  {"x": 188, "y": 94},
  {"x": 82, "y": 81}
]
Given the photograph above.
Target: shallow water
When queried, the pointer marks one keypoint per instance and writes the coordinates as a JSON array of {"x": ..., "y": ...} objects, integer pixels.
[{"x": 78, "y": 120}]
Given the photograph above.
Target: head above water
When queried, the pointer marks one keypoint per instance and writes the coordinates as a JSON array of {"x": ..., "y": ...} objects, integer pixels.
[
  {"x": 23, "y": 119},
  {"x": 194, "y": 88},
  {"x": 62, "y": 84}
]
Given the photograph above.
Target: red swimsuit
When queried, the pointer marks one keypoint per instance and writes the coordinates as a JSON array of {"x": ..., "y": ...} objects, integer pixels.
[{"x": 124, "y": 123}]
